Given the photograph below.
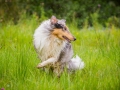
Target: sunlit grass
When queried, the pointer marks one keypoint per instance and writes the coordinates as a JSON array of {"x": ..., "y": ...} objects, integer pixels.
[{"x": 99, "y": 49}]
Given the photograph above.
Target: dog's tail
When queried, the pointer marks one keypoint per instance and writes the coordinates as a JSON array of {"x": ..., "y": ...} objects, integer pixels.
[{"x": 75, "y": 63}]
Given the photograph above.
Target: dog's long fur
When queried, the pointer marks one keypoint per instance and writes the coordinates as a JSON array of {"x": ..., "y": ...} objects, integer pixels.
[{"x": 52, "y": 43}]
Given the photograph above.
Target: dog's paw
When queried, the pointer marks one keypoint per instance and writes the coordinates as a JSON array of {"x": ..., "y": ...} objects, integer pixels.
[{"x": 39, "y": 66}]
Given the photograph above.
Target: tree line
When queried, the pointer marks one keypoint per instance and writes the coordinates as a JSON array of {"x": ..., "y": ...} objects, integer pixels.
[{"x": 73, "y": 10}]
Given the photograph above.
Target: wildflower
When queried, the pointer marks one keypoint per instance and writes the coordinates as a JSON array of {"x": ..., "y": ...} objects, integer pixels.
[
  {"x": 2, "y": 89},
  {"x": 99, "y": 5}
]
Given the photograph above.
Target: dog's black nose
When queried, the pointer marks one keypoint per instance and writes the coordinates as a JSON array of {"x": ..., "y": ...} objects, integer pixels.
[{"x": 74, "y": 39}]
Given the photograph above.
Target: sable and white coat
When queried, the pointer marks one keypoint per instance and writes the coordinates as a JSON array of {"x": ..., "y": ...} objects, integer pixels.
[{"x": 53, "y": 49}]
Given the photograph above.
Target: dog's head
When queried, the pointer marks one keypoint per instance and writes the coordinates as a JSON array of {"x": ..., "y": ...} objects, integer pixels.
[{"x": 61, "y": 30}]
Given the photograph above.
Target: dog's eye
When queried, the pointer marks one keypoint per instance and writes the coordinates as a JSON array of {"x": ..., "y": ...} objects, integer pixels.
[{"x": 65, "y": 28}]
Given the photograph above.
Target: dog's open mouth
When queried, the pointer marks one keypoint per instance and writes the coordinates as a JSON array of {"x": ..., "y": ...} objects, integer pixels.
[{"x": 66, "y": 39}]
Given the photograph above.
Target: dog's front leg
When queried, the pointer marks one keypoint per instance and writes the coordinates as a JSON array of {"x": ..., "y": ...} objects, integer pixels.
[{"x": 48, "y": 61}]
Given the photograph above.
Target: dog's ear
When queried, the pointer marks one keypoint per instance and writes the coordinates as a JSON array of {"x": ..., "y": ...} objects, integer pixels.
[
  {"x": 63, "y": 20},
  {"x": 53, "y": 20}
]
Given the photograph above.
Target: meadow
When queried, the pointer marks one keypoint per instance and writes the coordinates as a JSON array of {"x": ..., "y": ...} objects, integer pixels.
[{"x": 98, "y": 47}]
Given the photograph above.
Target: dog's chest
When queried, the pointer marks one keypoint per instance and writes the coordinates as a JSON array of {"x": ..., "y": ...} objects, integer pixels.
[{"x": 52, "y": 48}]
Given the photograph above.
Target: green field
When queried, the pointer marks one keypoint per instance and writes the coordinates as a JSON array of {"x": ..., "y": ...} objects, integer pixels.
[{"x": 98, "y": 47}]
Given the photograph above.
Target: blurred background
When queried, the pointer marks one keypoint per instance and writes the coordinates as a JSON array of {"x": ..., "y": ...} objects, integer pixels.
[
  {"x": 80, "y": 12},
  {"x": 95, "y": 24}
]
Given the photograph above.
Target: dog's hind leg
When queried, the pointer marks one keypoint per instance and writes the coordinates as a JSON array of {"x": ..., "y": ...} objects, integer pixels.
[
  {"x": 48, "y": 61},
  {"x": 58, "y": 69}
]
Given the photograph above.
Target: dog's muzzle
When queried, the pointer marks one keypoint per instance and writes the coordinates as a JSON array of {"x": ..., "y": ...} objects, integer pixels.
[{"x": 74, "y": 39}]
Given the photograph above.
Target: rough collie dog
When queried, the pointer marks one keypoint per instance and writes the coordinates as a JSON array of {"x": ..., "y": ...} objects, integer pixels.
[{"x": 52, "y": 41}]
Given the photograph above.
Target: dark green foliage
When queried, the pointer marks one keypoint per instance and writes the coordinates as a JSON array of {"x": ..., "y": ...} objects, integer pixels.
[{"x": 76, "y": 11}]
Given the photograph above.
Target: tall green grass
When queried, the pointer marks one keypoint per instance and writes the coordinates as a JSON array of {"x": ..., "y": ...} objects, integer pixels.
[{"x": 99, "y": 49}]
